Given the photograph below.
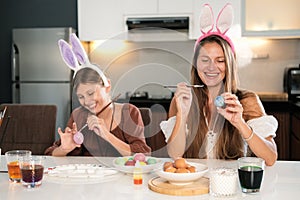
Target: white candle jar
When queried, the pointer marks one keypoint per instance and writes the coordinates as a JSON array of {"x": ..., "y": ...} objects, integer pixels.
[{"x": 223, "y": 182}]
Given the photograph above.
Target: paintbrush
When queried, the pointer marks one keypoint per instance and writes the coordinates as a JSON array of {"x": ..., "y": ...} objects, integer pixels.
[
  {"x": 175, "y": 86},
  {"x": 98, "y": 113},
  {"x": 3, "y": 113}
]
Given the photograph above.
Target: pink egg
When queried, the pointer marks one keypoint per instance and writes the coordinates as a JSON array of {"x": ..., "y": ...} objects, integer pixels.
[
  {"x": 78, "y": 138},
  {"x": 139, "y": 157}
]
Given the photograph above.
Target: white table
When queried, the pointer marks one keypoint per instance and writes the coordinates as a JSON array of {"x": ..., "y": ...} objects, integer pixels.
[{"x": 281, "y": 181}]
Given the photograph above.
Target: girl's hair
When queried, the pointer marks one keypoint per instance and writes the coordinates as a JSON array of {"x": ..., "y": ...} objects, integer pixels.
[
  {"x": 229, "y": 144},
  {"x": 86, "y": 75}
]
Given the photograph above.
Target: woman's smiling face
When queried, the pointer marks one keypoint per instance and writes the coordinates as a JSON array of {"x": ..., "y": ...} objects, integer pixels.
[
  {"x": 211, "y": 64},
  {"x": 92, "y": 96}
]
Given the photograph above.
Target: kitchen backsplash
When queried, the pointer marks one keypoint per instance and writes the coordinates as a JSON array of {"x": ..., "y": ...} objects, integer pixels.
[{"x": 147, "y": 66}]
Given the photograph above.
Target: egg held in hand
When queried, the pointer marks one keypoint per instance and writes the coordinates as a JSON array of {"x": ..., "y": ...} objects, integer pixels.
[{"x": 78, "y": 138}]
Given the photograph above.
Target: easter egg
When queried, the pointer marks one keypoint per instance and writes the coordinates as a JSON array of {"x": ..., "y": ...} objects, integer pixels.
[
  {"x": 170, "y": 169},
  {"x": 220, "y": 102},
  {"x": 182, "y": 170},
  {"x": 130, "y": 158},
  {"x": 120, "y": 161},
  {"x": 167, "y": 165},
  {"x": 151, "y": 161},
  {"x": 192, "y": 169},
  {"x": 78, "y": 138},
  {"x": 130, "y": 163},
  {"x": 143, "y": 163},
  {"x": 180, "y": 163},
  {"x": 139, "y": 157}
]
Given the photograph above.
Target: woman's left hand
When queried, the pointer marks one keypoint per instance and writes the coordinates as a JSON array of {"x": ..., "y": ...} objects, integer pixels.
[
  {"x": 98, "y": 126},
  {"x": 233, "y": 111}
]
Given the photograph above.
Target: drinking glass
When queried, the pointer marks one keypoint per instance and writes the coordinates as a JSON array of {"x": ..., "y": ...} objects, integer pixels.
[
  {"x": 223, "y": 181},
  {"x": 250, "y": 170},
  {"x": 32, "y": 171},
  {"x": 12, "y": 159}
]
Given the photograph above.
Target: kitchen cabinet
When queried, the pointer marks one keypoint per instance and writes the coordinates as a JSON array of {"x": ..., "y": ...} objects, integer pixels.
[
  {"x": 281, "y": 111},
  {"x": 139, "y": 7},
  {"x": 156, "y": 7},
  {"x": 175, "y": 6},
  {"x": 282, "y": 138},
  {"x": 295, "y": 136},
  {"x": 100, "y": 19},
  {"x": 270, "y": 18},
  {"x": 216, "y": 6}
]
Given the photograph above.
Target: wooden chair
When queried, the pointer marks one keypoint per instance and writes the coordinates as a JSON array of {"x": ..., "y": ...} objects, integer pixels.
[
  {"x": 30, "y": 127},
  {"x": 154, "y": 136}
]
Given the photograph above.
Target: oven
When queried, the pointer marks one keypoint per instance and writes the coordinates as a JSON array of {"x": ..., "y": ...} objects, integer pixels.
[{"x": 292, "y": 83}]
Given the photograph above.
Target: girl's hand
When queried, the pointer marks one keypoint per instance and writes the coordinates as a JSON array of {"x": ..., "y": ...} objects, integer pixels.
[
  {"x": 183, "y": 99},
  {"x": 67, "y": 142},
  {"x": 233, "y": 111},
  {"x": 98, "y": 126}
]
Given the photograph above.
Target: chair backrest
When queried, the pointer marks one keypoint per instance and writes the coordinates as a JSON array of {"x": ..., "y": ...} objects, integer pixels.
[
  {"x": 154, "y": 136},
  {"x": 29, "y": 127}
]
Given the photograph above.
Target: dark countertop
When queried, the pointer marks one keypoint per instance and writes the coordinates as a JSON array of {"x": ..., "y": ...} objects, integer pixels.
[
  {"x": 140, "y": 102},
  {"x": 271, "y": 101}
]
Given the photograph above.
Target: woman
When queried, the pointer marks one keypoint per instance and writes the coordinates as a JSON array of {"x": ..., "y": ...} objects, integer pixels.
[
  {"x": 222, "y": 132},
  {"x": 109, "y": 128}
]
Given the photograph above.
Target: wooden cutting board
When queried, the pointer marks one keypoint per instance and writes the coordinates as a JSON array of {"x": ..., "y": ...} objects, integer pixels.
[{"x": 160, "y": 185}]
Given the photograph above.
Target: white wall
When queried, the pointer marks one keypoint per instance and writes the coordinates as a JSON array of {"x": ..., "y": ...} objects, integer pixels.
[
  {"x": 145, "y": 66},
  {"x": 266, "y": 74}
]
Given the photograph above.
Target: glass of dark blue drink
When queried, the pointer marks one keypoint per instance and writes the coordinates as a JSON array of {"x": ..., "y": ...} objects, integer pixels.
[{"x": 250, "y": 171}]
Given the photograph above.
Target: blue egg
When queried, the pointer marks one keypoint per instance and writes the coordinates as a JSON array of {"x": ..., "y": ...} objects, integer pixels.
[{"x": 220, "y": 102}]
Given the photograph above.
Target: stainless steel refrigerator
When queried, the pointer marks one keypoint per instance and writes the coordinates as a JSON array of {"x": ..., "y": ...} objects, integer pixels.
[{"x": 39, "y": 75}]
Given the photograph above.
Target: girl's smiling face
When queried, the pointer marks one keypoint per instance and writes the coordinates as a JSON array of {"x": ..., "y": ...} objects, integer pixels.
[
  {"x": 211, "y": 64},
  {"x": 92, "y": 96}
]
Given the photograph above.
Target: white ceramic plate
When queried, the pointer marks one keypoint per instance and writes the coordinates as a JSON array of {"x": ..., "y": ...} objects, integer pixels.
[
  {"x": 184, "y": 178},
  {"x": 73, "y": 173},
  {"x": 145, "y": 168}
]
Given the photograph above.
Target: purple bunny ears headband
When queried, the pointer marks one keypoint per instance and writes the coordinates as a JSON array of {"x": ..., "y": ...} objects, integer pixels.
[
  {"x": 76, "y": 58},
  {"x": 223, "y": 23}
]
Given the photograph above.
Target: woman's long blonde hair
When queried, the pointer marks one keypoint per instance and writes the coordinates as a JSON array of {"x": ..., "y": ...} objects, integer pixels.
[{"x": 229, "y": 144}]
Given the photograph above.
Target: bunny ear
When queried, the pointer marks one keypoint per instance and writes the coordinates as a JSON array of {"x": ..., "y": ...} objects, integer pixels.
[
  {"x": 206, "y": 19},
  {"x": 225, "y": 19},
  {"x": 79, "y": 50},
  {"x": 68, "y": 55}
]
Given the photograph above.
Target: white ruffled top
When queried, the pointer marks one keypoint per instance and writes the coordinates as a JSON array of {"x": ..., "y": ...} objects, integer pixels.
[{"x": 264, "y": 126}]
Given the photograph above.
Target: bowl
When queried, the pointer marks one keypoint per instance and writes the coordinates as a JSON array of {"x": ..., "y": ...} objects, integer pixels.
[
  {"x": 145, "y": 168},
  {"x": 184, "y": 178}
]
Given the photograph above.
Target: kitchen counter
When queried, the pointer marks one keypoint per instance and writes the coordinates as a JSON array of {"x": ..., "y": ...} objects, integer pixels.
[
  {"x": 271, "y": 100},
  {"x": 281, "y": 181},
  {"x": 273, "y": 96},
  {"x": 148, "y": 102}
]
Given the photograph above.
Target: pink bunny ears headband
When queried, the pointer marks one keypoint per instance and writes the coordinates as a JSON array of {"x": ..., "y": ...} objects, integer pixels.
[
  {"x": 223, "y": 23},
  {"x": 76, "y": 57}
]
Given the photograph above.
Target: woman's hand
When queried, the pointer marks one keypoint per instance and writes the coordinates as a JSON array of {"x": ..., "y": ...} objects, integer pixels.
[
  {"x": 67, "y": 142},
  {"x": 233, "y": 111},
  {"x": 183, "y": 99},
  {"x": 98, "y": 126}
]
